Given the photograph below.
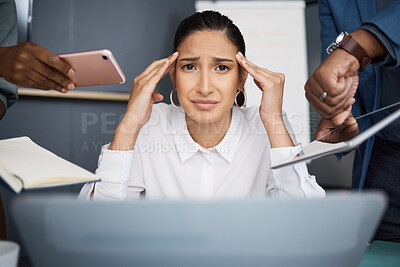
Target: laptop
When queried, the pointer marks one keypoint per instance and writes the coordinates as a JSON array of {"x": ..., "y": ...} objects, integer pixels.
[
  {"x": 332, "y": 231},
  {"x": 317, "y": 149}
]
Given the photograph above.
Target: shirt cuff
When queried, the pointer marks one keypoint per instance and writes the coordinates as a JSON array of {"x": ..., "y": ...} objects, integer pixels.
[
  {"x": 390, "y": 58},
  {"x": 293, "y": 180},
  {"x": 280, "y": 154},
  {"x": 114, "y": 166}
]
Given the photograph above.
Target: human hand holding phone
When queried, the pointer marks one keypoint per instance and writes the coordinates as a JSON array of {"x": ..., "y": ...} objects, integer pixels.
[{"x": 30, "y": 65}]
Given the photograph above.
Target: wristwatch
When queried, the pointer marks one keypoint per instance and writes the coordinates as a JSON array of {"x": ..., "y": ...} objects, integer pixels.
[{"x": 347, "y": 43}]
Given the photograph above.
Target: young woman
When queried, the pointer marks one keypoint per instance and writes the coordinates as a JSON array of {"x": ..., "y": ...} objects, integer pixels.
[{"x": 207, "y": 147}]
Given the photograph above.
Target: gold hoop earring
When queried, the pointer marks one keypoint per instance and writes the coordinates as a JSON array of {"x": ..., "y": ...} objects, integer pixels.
[
  {"x": 241, "y": 98},
  {"x": 172, "y": 99}
]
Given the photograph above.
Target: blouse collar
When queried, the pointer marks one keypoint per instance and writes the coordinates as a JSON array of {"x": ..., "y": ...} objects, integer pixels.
[{"x": 187, "y": 147}]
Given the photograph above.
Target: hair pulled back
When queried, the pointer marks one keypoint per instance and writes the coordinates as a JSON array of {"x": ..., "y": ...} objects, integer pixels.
[{"x": 211, "y": 21}]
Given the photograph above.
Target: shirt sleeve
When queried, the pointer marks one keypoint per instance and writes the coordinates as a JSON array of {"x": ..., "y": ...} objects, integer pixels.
[
  {"x": 292, "y": 180},
  {"x": 389, "y": 59},
  {"x": 329, "y": 30},
  {"x": 8, "y": 37},
  {"x": 8, "y": 93},
  {"x": 385, "y": 26},
  {"x": 114, "y": 169}
]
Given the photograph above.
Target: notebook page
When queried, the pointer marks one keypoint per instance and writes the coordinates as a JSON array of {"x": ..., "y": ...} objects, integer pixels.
[{"x": 38, "y": 167}]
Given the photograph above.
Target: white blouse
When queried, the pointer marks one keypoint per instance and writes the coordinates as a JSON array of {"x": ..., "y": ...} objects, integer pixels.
[{"x": 167, "y": 163}]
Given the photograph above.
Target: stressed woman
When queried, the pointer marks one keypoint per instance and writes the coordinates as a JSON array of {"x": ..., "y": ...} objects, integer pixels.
[{"x": 207, "y": 147}]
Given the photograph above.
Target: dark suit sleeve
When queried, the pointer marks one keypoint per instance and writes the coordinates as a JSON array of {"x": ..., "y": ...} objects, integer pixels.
[
  {"x": 329, "y": 31},
  {"x": 8, "y": 37},
  {"x": 386, "y": 26},
  {"x": 328, "y": 28}
]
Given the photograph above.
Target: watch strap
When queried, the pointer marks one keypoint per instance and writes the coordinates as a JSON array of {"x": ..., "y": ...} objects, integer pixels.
[{"x": 351, "y": 46}]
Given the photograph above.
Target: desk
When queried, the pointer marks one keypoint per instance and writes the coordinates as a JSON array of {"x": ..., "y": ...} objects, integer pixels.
[
  {"x": 382, "y": 254},
  {"x": 379, "y": 254}
]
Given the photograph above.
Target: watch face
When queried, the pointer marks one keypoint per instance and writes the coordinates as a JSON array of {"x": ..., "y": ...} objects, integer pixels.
[
  {"x": 335, "y": 44},
  {"x": 340, "y": 37}
]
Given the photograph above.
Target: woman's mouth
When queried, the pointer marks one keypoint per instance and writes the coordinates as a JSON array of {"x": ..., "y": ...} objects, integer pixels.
[{"x": 205, "y": 104}]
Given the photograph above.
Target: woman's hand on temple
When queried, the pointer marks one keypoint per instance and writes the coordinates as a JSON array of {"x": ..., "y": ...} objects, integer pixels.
[
  {"x": 143, "y": 93},
  {"x": 271, "y": 84},
  {"x": 143, "y": 96}
]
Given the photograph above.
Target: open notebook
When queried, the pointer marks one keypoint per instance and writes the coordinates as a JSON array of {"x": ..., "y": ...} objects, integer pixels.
[
  {"x": 317, "y": 149},
  {"x": 26, "y": 165}
]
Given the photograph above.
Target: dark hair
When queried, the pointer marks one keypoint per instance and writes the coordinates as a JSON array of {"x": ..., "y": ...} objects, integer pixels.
[{"x": 212, "y": 21}]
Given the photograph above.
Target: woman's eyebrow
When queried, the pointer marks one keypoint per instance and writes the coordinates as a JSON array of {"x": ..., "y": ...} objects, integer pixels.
[
  {"x": 189, "y": 59},
  {"x": 216, "y": 59}
]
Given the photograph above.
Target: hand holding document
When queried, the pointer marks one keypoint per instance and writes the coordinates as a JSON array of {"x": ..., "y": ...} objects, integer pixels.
[
  {"x": 26, "y": 165},
  {"x": 317, "y": 149}
]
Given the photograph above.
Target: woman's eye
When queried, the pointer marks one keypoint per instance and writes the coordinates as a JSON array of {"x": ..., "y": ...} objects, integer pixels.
[
  {"x": 189, "y": 67},
  {"x": 222, "y": 68}
]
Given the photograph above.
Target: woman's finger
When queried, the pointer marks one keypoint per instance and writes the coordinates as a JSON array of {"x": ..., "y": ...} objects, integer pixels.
[
  {"x": 242, "y": 62},
  {"x": 148, "y": 83},
  {"x": 171, "y": 60},
  {"x": 257, "y": 83},
  {"x": 156, "y": 77},
  {"x": 149, "y": 72},
  {"x": 261, "y": 76},
  {"x": 155, "y": 64},
  {"x": 250, "y": 69},
  {"x": 173, "y": 56},
  {"x": 152, "y": 72},
  {"x": 242, "y": 58},
  {"x": 254, "y": 66}
]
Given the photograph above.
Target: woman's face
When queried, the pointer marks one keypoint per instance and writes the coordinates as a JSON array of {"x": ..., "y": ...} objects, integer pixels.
[{"x": 207, "y": 76}]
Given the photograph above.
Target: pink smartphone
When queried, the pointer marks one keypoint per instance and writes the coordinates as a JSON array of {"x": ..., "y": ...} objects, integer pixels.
[{"x": 95, "y": 67}]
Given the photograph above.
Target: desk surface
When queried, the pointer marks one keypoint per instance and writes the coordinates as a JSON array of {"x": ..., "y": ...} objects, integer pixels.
[
  {"x": 382, "y": 254},
  {"x": 379, "y": 254}
]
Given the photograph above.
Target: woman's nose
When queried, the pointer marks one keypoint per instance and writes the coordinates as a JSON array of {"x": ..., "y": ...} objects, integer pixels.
[{"x": 205, "y": 85}]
